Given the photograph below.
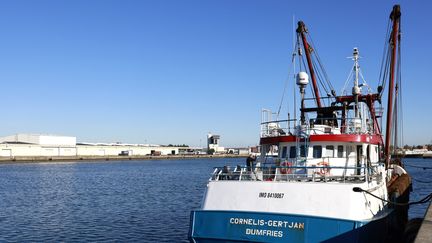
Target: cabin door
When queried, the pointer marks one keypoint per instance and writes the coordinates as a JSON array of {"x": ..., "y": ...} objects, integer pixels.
[
  {"x": 368, "y": 157},
  {"x": 359, "y": 156}
]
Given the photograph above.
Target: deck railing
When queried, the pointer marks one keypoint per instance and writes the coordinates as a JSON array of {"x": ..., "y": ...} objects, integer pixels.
[
  {"x": 297, "y": 173},
  {"x": 276, "y": 128}
]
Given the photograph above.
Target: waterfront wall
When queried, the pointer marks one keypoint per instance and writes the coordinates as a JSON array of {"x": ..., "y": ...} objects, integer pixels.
[{"x": 116, "y": 157}]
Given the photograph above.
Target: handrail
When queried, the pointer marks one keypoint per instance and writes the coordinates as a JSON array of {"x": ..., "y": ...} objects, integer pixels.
[
  {"x": 276, "y": 128},
  {"x": 296, "y": 173},
  {"x": 286, "y": 120},
  {"x": 306, "y": 167}
]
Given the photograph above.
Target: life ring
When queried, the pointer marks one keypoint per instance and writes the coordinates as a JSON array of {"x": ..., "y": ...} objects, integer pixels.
[
  {"x": 324, "y": 169},
  {"x": 284, "y": 167}
]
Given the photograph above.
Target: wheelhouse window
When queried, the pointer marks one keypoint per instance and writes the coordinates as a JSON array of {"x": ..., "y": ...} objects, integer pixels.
[
  {"x": 329, "y": 151},
  {"x": 340, "y": 150},
  {"x": 293, "y": 152},
  {"x": 317, "y": 151},
  {"x": 284, "y": 152},
  {"x": 303, "y": 151}
]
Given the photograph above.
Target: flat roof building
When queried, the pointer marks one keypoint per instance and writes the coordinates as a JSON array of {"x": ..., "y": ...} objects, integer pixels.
[{"x": 40, "y": 139}]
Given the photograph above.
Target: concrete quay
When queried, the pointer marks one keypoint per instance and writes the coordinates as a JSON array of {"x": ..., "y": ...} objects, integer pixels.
[
  {"x": 425, "y": 232},
  {"x": 114, "y": 157}
]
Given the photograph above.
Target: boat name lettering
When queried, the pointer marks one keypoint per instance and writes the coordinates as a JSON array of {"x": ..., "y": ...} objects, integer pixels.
[
  {"x": 262, "y": 232},
  {"x": 268, "y": 223},
  {"x": 259, "y": 222},
  {"x": 278, "y": 195}
]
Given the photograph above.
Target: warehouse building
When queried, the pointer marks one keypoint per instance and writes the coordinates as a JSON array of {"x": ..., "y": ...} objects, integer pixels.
[{"x": 35, "y": 145}]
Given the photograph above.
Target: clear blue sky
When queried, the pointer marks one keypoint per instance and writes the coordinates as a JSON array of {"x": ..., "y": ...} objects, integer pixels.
[{"x": 170, "y": 71}]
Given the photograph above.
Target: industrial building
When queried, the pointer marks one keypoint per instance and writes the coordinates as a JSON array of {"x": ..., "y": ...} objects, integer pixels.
[
  {"x": 39, "y": 145},
  {"x": 53, "y": 147},
  {"x": 213, "y": 143}
]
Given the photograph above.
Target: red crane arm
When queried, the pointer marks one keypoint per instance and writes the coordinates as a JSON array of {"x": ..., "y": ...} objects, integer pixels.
[{"x": 302, "y": 30}]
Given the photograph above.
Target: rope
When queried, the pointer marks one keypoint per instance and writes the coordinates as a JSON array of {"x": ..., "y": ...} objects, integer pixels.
[
  {"x": 399, "y": 81},
  {"x": 395, "y": 120},
  {"x": 385, "y": 54},
  {"x": 364, "y": 81},
  {"x": 347, "y": 80},
  {"x": 326, "y": 78},
  {"x": 386, "y": 71},
  {"x": 286, "y": 84},
  {"x": 423, "y": 200},
  {"x": 319, "y": 77},
  {"x": 300, "y": 55}
]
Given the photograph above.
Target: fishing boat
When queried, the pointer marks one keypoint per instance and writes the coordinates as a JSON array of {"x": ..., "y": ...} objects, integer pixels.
[{"x": 334, "y": 179}]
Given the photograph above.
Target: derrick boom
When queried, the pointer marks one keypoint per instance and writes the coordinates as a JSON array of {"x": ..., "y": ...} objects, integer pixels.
[{"x": 301, "y": 30}]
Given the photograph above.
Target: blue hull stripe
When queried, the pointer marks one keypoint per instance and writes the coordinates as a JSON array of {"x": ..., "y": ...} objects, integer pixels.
[{"x": 238, "y": 226}]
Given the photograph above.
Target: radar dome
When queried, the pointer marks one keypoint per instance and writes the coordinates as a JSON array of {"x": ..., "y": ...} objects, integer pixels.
[{"x": 302, "y": 78}]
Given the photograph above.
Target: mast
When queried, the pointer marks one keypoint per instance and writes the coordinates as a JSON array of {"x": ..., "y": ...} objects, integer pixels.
[
  {"x": 395, "y": 17},
  {"x": 302, "y": 30},
  {"x": 356, "y": 89}
]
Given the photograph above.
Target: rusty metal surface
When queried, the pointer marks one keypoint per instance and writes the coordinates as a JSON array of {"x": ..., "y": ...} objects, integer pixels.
[{"x": 400, "y": 185}]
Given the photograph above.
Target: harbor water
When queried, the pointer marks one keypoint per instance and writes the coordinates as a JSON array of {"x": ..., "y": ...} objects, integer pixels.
[{"x": 146, "y": 201}]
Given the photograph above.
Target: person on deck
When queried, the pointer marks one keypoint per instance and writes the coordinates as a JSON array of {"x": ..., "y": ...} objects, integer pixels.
[{"x": 250, "y": 162}]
